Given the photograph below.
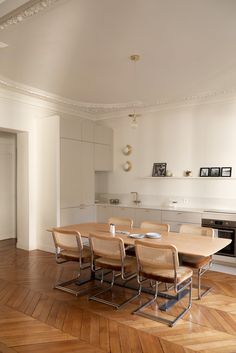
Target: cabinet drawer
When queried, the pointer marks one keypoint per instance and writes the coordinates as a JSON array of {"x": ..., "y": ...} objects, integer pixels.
[
  {"x": 145, "y": 214},
  {"x": 181, "y": 217},
  {"x": 125, "y": 212},
  {"x": 103, "y": 213}
]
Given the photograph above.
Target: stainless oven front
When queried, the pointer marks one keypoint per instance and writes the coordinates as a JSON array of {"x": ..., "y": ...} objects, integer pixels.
[{"x": 223, "y": 229}]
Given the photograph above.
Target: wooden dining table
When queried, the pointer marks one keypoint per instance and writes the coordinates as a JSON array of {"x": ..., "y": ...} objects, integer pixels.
[{"x": 185, "y": 243}]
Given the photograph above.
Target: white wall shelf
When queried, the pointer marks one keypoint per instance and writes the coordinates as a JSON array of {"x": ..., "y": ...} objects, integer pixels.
[{"x": 189, "y": 178}]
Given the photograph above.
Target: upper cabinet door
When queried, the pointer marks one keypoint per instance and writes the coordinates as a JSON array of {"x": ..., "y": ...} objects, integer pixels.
[
  {"x": 77, "y": 173},
  {"x": 103, "y": 148},
  {"x": 88, "y": 130},
  {"x": 103, "y": 158},
  {"x": 71, "y": 173},
  {"x": 103, "y": 135},
  {"x": 71, "y": 128},
  {"x": 87, "y": 174}
]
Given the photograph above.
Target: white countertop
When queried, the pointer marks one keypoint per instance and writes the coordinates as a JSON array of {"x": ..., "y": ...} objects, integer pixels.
[{"x": 176, "y": 208}]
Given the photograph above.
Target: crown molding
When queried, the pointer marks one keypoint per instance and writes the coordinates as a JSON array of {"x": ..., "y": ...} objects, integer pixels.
[
  {"x": 94, "y": 111},
  {"x": 21, "y": 13}
]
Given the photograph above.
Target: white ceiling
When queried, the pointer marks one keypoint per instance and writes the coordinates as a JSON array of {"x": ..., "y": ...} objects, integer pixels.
[{"x": 79, "y": 49}]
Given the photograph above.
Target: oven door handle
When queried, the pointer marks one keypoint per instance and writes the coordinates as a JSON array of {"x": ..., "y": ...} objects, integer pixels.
[{"x": 225, "y": 230}]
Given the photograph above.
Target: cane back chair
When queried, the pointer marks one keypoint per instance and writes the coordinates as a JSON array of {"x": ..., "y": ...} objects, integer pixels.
[
  {"x": 155, "y": 227},
  {"x": 69, "y": 247},
  {"x": 159, "y": 263},
  {"x": 199, "y": 263},
  {"x": 109, "y": 253},
  {"x": 119, "y": 221}
]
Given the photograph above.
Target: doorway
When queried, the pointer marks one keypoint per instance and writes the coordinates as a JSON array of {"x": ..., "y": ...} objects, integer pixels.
[{"x": 7, "y": 185}]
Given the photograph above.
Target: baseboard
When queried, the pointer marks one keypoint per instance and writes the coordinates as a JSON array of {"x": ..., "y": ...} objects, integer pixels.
[
  {"x": 46, "y": 248},
  {"x": 7, "y": 236}
]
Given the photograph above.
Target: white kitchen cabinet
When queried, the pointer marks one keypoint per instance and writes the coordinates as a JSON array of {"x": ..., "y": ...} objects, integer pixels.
[
  {"x": 103, "y": 135},
  {"x": 104, "y": 212},
  {"x": 146, "y": 214},
  {"x": 103, "y": 158},
  {"x": 124, "y": 212},
  {"x": 87, "y": 174},
  {"x": 88, "y": 130},
  {"x": 77, "y": 173},
  {"x": 71, "y": 128},
  {"x": 75, "y": 215},
  {"x": 176, "y": 218}
]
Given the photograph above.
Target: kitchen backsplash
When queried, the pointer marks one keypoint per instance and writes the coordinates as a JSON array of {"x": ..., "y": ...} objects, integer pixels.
[{"x": 176, "y": 201}]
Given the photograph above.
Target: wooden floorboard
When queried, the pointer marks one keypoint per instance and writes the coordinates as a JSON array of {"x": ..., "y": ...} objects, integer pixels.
[{"x": 36, "y": 318}]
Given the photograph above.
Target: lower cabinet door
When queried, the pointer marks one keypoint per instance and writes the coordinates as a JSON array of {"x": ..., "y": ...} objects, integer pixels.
[
  {"x": 103, "y": 212},
  {"x": 80, "y": 214},
  {"x": 146, "y": 214}
]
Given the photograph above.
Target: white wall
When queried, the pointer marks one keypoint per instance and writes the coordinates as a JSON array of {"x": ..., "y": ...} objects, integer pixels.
[
  {"x": 7, "y": 185},
  {"x": 184, "y": 138},
  {"x": 47, "y": 178},
  {"x": 37, "y": 178}
]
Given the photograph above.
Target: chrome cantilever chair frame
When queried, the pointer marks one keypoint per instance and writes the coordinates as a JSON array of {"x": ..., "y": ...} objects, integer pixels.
[
  {"x": 118, "y": 270},
  {"x": 62, "y": 257},
  {"x": 179, "y": 287},
  {"x": 201, "y": 269}
]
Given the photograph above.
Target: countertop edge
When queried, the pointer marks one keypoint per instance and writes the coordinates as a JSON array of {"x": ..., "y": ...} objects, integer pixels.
[{"x": 176, "y": 209}]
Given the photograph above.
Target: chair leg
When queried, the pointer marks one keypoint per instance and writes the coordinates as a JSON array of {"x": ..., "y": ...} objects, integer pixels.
[
  {"x": 200, "y": 286},
  {"x": 171, "y": 323},
  {"x": 115, "y": 305},
  {"x": 63, "y": 285}
]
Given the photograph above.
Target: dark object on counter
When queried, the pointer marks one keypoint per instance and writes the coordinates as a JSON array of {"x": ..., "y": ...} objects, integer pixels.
[{"x": 114, "y": 201}]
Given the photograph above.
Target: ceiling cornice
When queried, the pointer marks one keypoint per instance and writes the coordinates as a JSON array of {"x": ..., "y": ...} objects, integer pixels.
[
  {"x": 21, "y": 13},
  {"x": 96, "y": 111}
]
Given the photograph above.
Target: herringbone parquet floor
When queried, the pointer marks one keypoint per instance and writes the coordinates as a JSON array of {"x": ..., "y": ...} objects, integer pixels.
[{"x": 34, "y": 318}]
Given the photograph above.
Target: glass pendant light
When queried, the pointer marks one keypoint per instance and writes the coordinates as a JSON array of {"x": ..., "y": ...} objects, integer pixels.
[{"x": 134, "y": 122}]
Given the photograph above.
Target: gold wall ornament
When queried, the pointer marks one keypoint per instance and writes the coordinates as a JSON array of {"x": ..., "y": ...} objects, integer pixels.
[
  {"x": 127, "y": 150},
  {"x": 127, "y": 166}
]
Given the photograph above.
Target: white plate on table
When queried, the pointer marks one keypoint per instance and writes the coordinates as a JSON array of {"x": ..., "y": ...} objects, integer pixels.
[
  {"x": 122, "y": 232},
  {"x": 153, "y": 235},
  {"x": 137, "y": 236}
]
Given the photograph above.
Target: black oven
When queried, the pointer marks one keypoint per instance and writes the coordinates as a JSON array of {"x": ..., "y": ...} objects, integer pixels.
[{"x": 223, "y": 229}]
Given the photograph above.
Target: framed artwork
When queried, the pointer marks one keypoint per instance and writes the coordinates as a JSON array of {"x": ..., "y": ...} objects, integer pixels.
[
  {"x": 204, "y": 172},
  {"x": 226, "y": 171},
  {"x": 159, "y": 169},
  {"x": 215, "y": 172}
]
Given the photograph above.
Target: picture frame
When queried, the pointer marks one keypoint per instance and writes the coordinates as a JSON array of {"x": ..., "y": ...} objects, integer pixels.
[
  {"x": 159, "y": 169},
  {"x": 215, "y": 172},
  {"x": 226, "y": 172},
  {"x": 204, "y": 172}
]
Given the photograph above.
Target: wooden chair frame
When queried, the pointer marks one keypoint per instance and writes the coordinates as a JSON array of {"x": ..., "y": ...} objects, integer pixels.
[
  {"x": 60, "y": 259},
  {"x": 179, "y": 287},
  {"x": 204, "y": 231},
  {"x": 155, "y": 227},
  {"x": 122, "y": 274}
]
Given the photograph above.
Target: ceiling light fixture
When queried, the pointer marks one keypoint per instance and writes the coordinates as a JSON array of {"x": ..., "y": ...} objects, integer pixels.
[{"x": 134, "y": 123}]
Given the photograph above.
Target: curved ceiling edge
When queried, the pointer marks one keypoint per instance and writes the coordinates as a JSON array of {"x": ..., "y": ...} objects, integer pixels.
[{"x": 98, "y": 111}]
